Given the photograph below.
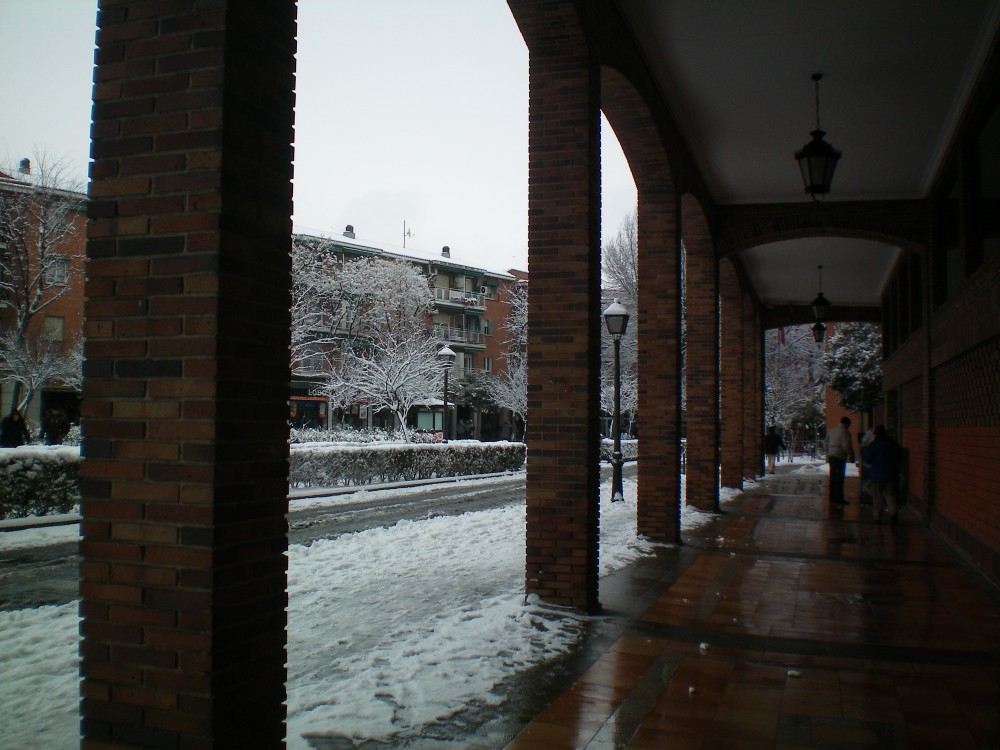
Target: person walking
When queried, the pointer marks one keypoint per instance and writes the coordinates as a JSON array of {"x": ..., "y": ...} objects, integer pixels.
[
  {"x": 54, "y": 427},
  {"x": 839, "y": 450},
  {"x": 773, "y": 444},
  {"x": 13, "y": 431},
  {"x": 882, "y": 458}
]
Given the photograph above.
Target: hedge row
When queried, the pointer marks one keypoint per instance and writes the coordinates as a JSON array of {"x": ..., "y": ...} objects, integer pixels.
[
  {"x": 326, "y": 465},
  {"x": 38, "y": 481},
  {"x": 630, "y": 449}
]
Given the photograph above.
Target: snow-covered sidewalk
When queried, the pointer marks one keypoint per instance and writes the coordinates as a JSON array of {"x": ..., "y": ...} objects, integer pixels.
[{"x": 389, "y": 629}]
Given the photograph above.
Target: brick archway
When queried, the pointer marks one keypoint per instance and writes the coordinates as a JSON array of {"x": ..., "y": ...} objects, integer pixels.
[
  {"x": 897, "y": 223},
  {"x": 658, "y": 306}
]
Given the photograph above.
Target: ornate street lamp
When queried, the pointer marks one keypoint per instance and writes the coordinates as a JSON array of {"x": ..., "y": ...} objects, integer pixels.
[
  {"x": 817, "y": 159},
  {"x": 616, "y": 319},
  {"x": 447, "y": 357},
  {"x": 819, "y": 331},
  {"x": 821, "y": 305}
]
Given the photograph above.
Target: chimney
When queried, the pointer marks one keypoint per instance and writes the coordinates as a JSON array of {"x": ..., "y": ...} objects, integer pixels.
[
  {"x": 349, "y": 231},
  {"x": 445, "y": 252},
  {"x": 24, "y": 166}
]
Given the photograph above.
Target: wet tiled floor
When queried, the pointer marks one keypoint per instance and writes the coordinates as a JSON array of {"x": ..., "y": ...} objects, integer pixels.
[{"x": 794, "y": 625}]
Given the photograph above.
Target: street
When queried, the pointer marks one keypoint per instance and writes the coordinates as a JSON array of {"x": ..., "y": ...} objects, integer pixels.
[{"x": 37, "y": 576}]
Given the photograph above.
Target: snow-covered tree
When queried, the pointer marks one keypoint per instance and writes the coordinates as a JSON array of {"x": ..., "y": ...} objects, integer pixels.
[
  {"x": 509, "y": 388},
  {"x": 853, "y": 364},
  {"x": 36, "y": 361},
  {"x": 394, "y": 369},
  {"x": 39, "y": 214},
  {"x": 360, "y": 327},
  {"x": 793, "y": 382},
  {"x": 621, "y": 262}
]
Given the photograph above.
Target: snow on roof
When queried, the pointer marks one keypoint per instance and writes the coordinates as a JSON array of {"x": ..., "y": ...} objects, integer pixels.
[{"x": 410, "y": 254}]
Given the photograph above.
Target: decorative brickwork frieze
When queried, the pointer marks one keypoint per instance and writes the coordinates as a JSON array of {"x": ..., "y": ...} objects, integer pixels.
[
  {"x": 967, "y": 423},
  {"x": 186, "y": 377}
]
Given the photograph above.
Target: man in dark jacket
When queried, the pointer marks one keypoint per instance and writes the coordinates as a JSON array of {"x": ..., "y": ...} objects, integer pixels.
[
  {"x": 773, "y": 444},
  {"x": 13, "y": 431},
  {"x": 882, "y": 457}
]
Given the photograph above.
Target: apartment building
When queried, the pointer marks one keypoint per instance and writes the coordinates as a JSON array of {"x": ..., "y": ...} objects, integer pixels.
[
  {"x": 42, "y": 249},
  {"x": 470, "y": 306}
]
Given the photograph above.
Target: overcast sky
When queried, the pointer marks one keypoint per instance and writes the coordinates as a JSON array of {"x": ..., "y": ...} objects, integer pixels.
[{"x": 405, "y": 112}]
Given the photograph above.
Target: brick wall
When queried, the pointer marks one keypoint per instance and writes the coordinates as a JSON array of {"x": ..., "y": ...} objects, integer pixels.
[
  {"x": 910, "y": 434},
  {"x": 967, "y": 422},
  {"x": 564, "y": 307},
  {"x": 659, "y": 365},
  {"x": 752, "y": 422},
  {"x": 185, "y": 457},
  {"x": 702, "y": 359},
  {"x": 731, "y": 373},
  {"x": 658, "y": 502}
]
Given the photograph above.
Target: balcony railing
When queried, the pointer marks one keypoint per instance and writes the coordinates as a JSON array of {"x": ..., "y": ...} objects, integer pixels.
[
  {"x": 457, "y": 335},
  {"x": 460, "y": 297}
]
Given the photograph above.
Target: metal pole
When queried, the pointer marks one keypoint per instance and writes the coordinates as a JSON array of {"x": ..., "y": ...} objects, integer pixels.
[
  {"x": 444, "y": 416},
  {"x": 617, "y": 492}
]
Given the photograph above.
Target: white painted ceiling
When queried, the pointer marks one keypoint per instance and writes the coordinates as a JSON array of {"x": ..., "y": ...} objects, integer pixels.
[{"x": 737, "y": 76}]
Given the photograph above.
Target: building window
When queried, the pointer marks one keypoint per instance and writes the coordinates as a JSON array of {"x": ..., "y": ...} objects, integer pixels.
[
  {"x": 488, "y": 364},
  {"x": 57, "y": 272},
  {"x": 487, "y": 327},
  {"x": 54, "y": 328},
  {"x": 312, "y": 363}
]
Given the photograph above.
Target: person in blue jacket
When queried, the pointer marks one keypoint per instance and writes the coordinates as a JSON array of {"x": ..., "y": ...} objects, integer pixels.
[{"x": 882, "y": 457}]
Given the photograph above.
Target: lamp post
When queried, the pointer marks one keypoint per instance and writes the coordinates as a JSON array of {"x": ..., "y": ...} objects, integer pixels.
[
  {"x": 447, "y": 357},
  {"x": 820, "y": 307},
  {"x": 616, "y": 319}
]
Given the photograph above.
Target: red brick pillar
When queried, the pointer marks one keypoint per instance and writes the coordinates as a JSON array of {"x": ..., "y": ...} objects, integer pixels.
[
  {"x": 564, "y": 307},
  {"x": 186, "y": 377},
  {"x": 658, "y": 512},
  {"x": 731, "y": 374},
  {"x": 702, "y": 359},
  {"x": 658, "y": 308},
  {"x": 753, "y": 459}
]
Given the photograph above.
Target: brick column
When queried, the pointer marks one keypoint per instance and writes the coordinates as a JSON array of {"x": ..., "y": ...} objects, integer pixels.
[
  {"x": 731, "y": 373},
  {"x": 702, "y": 359},
  {"x": 753, "y": 463},
  {"x": 658, "y": 512},
  {"x": 658, "y": 307},
  {"x": 186, "y": 376},
  {"x": 564, "y": 307}
]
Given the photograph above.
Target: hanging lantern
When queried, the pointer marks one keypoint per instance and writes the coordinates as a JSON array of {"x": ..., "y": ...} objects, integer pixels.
[{"x": 817, "y": 159}]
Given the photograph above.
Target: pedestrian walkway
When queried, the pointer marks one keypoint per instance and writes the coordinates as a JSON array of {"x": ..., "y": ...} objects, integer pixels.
[{"x": 789, "y": 624}]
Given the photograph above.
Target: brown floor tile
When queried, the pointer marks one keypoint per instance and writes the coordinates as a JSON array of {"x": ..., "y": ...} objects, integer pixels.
[{"x": 848, "y": 595}]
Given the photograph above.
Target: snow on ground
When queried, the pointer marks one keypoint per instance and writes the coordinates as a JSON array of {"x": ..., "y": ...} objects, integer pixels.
[
  {"x": 38, "y": 537},
  {"x": 388, "y": 629}
]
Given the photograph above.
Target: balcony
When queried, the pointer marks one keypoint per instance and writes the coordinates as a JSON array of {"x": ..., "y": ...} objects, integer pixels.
[
  {"x": 460, "y": 298},
  {"x": 452, "y": 335}
]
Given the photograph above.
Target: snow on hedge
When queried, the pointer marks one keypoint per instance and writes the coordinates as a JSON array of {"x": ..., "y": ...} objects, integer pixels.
[
  {"x": 38, "y": 480},
  {"x": 332, "y": 464}
]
